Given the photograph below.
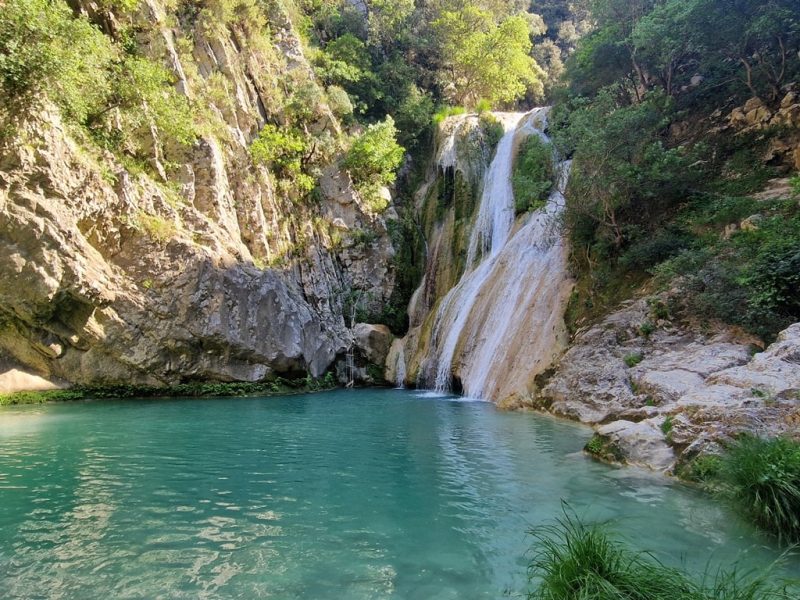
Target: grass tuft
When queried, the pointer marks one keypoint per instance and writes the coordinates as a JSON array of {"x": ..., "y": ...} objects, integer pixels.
[
  {"x": 576, "y": 561},
  {"x": 762, "y": 478}
]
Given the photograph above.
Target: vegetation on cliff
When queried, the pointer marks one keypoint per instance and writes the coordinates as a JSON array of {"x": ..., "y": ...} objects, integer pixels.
[{"x": 664, "y": 168}]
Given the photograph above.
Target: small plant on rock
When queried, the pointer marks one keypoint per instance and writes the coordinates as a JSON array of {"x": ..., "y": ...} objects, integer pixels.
[{"x": 633, "y": 359}]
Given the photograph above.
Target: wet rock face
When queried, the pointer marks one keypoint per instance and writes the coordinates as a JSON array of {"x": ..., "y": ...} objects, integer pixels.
[
  {"x": 663, "y": 398},
  {"x": 111, "y": 276}
]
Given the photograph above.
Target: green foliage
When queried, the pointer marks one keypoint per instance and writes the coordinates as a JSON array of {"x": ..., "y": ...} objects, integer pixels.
[
  {"x": 534, "y": 174},
  {"x": 748, "y": 279},
  {"x": 702, "y": 469},
  {"x": 604, "y": 449},
  {"x": 414, "y": 116},
  {"x": 283, "y": 150},
  {"x": 447, "y": 111},
  {"x": 45, "y": 50},
  {"x": 666, "y": 426},
  {"x": 646, "y": 329},
  {"x": 484, "y": 59},
  {"x": 623, "y": 174},
  {"x": 339, "y": 102},
  {"x": 141, "y": 94},
  {"x": 576, "y": 561},
  {"x": 492, "y": 130},
  {"x": 188, "y": 390},
  {"x": 482, "y": 106},
  {"x": 633, "y": 359},
  {"x": 157, "y": 227},
  {"x": 762, "y": 478},
  {"x": 594, "y": 446},
  {"x": 372, "y": 161}
]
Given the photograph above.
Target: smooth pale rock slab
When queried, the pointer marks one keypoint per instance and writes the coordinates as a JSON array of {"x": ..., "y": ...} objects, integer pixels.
[
  {"x": 702, "y": 359},
  {"x": 15, "y": 380},
  {"x": 714, "y": 395},
  {"x": 642, "y": 443},
  {"x": 670, "y": 385}
]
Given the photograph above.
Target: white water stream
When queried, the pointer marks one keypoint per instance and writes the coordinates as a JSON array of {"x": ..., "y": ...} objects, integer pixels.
[{"x": 504, "y": 317}]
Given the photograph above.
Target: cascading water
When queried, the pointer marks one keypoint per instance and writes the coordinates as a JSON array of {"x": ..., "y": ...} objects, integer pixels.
[
  {"x": 400, "y": 369},
  {"x": 503, "y": 321}
]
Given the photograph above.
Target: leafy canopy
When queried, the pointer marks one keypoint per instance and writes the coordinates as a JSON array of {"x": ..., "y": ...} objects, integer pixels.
[{"x": 485, "y": 59}]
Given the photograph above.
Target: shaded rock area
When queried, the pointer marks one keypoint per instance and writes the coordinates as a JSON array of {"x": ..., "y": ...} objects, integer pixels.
[{"x": 659, "y": 393}]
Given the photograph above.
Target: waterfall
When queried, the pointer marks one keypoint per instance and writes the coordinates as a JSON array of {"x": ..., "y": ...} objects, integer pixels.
[
  {"x": 400, "y": 369},
  {"x": 502, "y": 322},
  {"x": 496, "y": 209}
]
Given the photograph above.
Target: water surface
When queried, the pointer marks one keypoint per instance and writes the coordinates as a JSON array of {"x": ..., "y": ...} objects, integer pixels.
[{"x": 345, "y": 495}]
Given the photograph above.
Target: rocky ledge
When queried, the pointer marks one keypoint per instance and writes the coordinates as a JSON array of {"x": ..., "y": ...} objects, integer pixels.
[{"x": 660, "y": 394}]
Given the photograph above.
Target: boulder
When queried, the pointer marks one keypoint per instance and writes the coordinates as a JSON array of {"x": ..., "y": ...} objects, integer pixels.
[
  {"x": 374, "y": 341},
  {"x": 641, "y": 443}
]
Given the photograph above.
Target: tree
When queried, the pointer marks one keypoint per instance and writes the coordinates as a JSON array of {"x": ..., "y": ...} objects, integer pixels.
[{"x": 485, "y": 59}]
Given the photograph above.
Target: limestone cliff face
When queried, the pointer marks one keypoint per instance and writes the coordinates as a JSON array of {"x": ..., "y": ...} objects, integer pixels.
[
  {"x": 201, "y": 269},
  {"x": 659, "y": 398}
]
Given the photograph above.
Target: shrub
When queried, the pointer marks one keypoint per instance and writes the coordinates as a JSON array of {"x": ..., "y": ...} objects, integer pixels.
[
  {"x": 762, "y": 478},
  {"x": 633, "y": 359},
  {"x": 158, "y": 228},
  {"x": 45, "y": 49},
  {"x": 447, "y": 111},
  {"x": 373, "y": 160},
  {"x": 283, "y": 150},
  {"x": 339, "y": 102},
  {"x": 646, "y": 329},
  {"x": 482, "y": 106},
  {"x": 141, "y": 92},
  {"x": 534, "y": 174},
  {"x": 702, "y": 469},
  {"x": 576, "y": 561}
]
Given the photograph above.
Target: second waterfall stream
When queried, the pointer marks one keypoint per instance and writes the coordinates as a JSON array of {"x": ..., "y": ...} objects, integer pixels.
[{"x": 501, "y": 323}]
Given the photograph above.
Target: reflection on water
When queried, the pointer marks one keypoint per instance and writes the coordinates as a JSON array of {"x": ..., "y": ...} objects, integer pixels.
[{"x": 350, "y": 494}]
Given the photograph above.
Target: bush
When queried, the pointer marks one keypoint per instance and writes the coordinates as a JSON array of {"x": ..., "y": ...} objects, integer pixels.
[
  {"x": 762, "y": 478},
  {"x": 339, "y": 102},
  {"x": 446, "y": 112},
  {"x": 141, "y": 93},
  {"x": 631, "y": 360},
  {"x": 534, "y": 174},
  {"x": 45, "y": 49},
  {"x": 373, "y": 160},
  {"x": 283, "y": 150},
  {"x": 575, "y": 561},
  {"x": 157, "y": 227}
]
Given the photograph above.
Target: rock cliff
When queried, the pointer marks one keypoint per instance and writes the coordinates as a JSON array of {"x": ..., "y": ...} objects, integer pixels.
[
  {"x": 660, "y": 392},
  {"x": 200, "y": 267}
]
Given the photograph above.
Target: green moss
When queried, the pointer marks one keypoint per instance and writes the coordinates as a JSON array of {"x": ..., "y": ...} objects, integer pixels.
[
  {"x": 279, "y": 386},
  {"x": 534, "y": 174},
  {"x": 604, "y": 449}
]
